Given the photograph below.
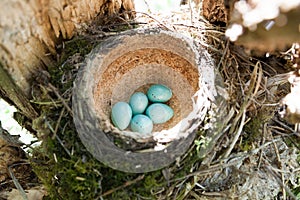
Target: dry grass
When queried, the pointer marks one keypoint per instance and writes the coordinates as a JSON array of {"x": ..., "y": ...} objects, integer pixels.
[{"x": 251, "y": 152}]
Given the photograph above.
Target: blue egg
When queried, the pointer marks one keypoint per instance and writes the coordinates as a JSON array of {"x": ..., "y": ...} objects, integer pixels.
[
  {"x": 121, "y": 115},
  {"x": 159, "y": 113},
  {"x": 141, "y": 123},
  {"x": 159, "y": 93},
  {"x": 138, "y": 103}
]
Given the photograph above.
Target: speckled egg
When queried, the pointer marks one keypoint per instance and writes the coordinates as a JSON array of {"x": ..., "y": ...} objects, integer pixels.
[
  {"x": 138, "y": 103},
  {"x": 121, "y": 115},
  {"x": 159, "y": 93},
  {"x": 141, "y": 123},
  {"x": 159, "y": 113}
]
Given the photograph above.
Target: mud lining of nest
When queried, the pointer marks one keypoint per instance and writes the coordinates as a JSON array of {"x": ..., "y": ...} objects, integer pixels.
[{"x": 138, "y": 69}]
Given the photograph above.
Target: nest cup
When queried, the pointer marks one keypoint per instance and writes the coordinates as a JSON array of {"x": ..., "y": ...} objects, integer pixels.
[
  {"x": 136, "y": 63},
  {"x": 132, "y": 62}
]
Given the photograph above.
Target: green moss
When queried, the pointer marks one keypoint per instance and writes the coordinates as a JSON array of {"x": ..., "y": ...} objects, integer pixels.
[
  {"x": 80, "y": 176},
  {"x": 253, "y": 129},
  {"x": 153, "y": 180},
  {"x": 72, "y": 53},
  {"x": 62, "y": 163}
]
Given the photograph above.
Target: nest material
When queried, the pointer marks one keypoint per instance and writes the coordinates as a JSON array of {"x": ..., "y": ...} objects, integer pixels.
[
  {"x": 128, "y": 63},
  {"x": 244, "y": 149},
  {"x": 244, "y": 133}
]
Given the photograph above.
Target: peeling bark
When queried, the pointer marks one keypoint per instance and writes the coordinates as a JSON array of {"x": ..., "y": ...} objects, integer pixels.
[
  {"x": 10, "y": 152},
  {"x": 215, "y": 11},
  {"x": 12, "y": 94}
]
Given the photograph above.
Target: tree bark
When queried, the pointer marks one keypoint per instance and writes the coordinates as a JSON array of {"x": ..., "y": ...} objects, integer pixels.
[
  {"x": 29, "y": 34},
  {"x": 31, "y": 30},
  {"x": 215, "y": 11},
  {"x": 12, "y": 94},
  {"x": 11, "y": 153}
]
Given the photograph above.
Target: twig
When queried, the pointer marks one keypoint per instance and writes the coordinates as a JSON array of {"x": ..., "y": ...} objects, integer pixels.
[
  {"x": 58, "y": 122},
  {"x": 253, "y": 88},
  {"x": 62, "y": 144},
  {"x": 280, "y": 167},
  {"x": 224, "y": 54},
  {"x": 191, "y": 9},
  {"x": 45, "y": 102},
  {"x": 288, "y": 136},
  {"x": 54, "y": 89},
  {"x": 237, "y": 135},
  {"x": 275, "y": 175},
  {"x": 258, "y": 79},
  {"x": 143, "y": 13},
  {"x": 120, "y": 24},
  {"x": 126, "y": 184},
  {"x": 262, "y": 142},
  {"x": 284, "y": 125},
  {"x": 58, "y": 139},
  {"x": 226, "y": 162},
  {"x": 149, "y": 10},
  {"x": 16, "y": 182}
]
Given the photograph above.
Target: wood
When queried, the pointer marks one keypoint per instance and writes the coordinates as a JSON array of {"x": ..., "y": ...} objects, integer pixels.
[
  {"x": 10, "y": 152},
  {"x": 31, "y": 30},
  {"x": 12, "y": 94},
  {"x": 215, "y": 11}
]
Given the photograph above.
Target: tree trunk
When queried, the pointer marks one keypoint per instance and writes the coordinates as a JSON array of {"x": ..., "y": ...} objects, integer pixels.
[{"x": 31, "y": 30}]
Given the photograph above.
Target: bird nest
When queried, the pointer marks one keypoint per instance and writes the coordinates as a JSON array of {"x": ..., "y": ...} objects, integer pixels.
[
  {"x": 129, "y": 63},
  {"x": 241, "y": 148}
]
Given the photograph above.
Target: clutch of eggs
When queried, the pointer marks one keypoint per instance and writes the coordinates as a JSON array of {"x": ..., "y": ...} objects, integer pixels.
[{"x": 143, "y": 110}]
